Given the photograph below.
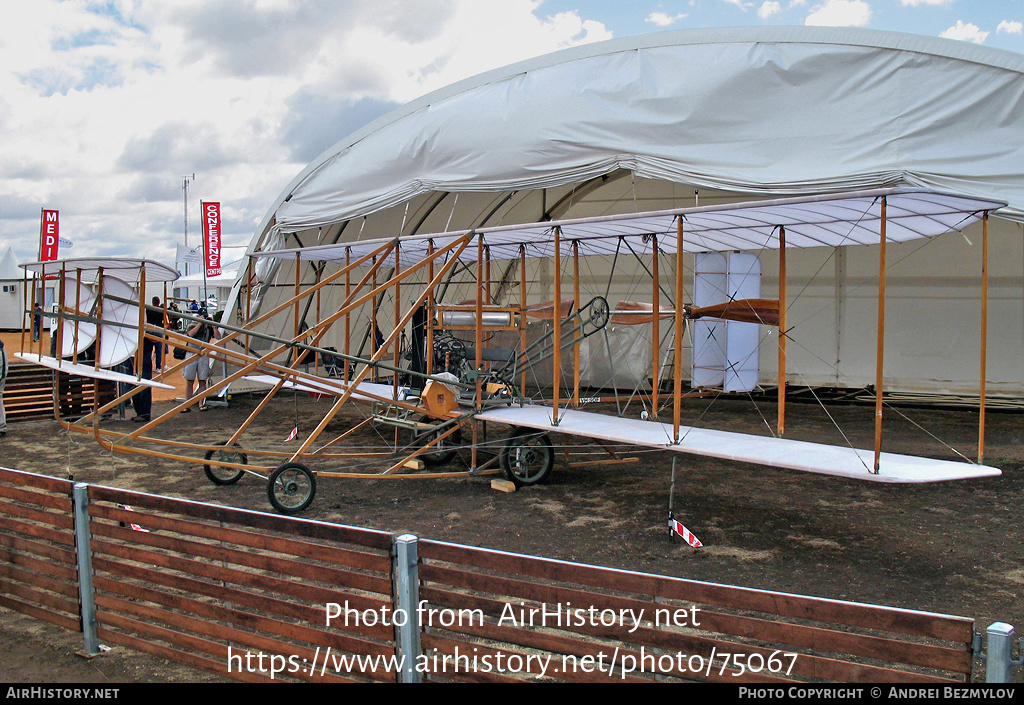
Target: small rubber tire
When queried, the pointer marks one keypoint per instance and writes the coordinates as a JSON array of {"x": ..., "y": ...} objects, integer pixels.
[
  {"x": 291, "y": 488},
  {"x": 442, "y": 452},
  {"x": 527, "y": 457},
  {"x": 225, "y": 476}
]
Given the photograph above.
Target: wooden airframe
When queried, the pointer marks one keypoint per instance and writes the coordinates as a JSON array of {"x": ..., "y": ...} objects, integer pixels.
[{"x": 441, "y": 410}]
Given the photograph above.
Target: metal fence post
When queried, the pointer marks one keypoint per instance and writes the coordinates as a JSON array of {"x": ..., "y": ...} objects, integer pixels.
[
  {"x": 83, "y": 551},
  {"x": 999, "y": 653},
  {"x": 407, "y": 592}
]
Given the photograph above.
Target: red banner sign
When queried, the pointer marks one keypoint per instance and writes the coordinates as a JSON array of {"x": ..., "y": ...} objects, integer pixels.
[
  {"x": 49, "y": 235},
  {"x": 211, "y": 237}
]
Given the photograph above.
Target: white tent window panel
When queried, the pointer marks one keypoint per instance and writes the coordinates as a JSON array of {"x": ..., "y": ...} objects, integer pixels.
[{"x": 725, "y": 353}]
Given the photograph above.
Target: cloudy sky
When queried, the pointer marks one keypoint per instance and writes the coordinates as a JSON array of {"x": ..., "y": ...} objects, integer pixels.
[{"x": 107, "y": 107}]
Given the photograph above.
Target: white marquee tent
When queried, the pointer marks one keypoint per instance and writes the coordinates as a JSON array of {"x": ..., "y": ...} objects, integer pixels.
[{"x": 709, "y": 117}]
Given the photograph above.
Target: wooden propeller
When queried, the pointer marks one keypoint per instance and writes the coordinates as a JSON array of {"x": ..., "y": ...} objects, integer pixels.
[{"x": 763, "y": 311}]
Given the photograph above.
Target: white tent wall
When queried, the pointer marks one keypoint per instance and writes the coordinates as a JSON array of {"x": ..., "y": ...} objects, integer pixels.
[
  {"x": 12, "y": 293},
  {"x": 712, "y": 116},
  {"x": 12, "y": 305}
]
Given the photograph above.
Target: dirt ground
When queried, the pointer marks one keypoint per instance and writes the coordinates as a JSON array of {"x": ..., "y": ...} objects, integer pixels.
[{"x": 950, "y": 547}]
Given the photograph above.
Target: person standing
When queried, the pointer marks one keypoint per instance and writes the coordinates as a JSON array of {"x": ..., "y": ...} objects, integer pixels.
[
  {"x": 156, "y": 319},
  {"x": 197, "y": 369},
  {"x": 152, "y": 351},
  {"x": 37, "y": 322}
]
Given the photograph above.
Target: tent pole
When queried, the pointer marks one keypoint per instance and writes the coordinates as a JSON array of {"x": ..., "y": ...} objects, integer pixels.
[
  {"x": 677, "y": 359},
  {"x": 348, "y": 315},
  {"x": 557, "y": 359},
  {"x": 396, "y": 351},
  {"x": 99, "y": 315},
  {"x": 78, "y": 308},
  {"x": 142, "y": 321},
  {"x": 984, "y": 336},
  {"x": 881, "y": 338},
  {"x": 576, "y": 335},
  {"x": 428, "y": 354},
  {"x": 295, "y": 315},
  {"x": 522, "y": 314},
  {"x": 782, "y": 331},
  {"x": 655, "y": 332},
  {"x": 248, "y": 299},
  {"x": 30, "y": 302},
  {"x": 478, "y": 334}
]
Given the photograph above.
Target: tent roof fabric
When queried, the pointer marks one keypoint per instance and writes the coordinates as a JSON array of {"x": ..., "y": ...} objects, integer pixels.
[
  {"x": 9, "y": 267},
  {"x": 767, "y": 112},
  {"x": 820, "y": 221},
  {"x": 123, "y": 268}
]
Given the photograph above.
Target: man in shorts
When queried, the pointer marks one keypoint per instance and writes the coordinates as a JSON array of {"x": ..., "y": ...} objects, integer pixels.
[{"x": 197, "y": 368}]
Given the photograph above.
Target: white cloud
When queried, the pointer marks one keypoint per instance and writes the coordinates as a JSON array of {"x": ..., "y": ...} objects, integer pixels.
[
  {"x": 965, "y": 32},
  {"x": 105, "y": 107},
  {"x": 662, "y": 20},
  {"x": 840, "y": 13},
  {"x": 768, "y": 9},
  {"x": 1010, "y": 27},
  {"x": 934, "y": 3},
  {"x": 740, "y": 4}
]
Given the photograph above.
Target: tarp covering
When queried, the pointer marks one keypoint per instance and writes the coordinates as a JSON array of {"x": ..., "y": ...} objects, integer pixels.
[
  {"x": 124, "y": 268},
  {"x": 765, "y": 111}
]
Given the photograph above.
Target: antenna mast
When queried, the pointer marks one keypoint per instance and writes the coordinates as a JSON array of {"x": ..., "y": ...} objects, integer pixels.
[{"x": 186, "y": 180}]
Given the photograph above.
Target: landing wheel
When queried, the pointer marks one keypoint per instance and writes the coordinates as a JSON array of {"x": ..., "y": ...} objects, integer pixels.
[
  {"x": 220, "y": 475},
  {"x": 527, "y": 457},
  {"x": 291, "y": 488},
  {"x": 442, "y": 451}
]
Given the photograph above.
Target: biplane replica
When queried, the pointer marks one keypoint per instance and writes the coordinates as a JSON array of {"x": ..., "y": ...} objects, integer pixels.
[{"x": 437, "y": 365}]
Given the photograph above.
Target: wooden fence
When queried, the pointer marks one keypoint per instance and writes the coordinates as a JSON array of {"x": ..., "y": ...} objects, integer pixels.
[
  {"x": 38, "y": 569},
  {"x": 249, "y": 595},
  {"x": 648, "y": 627}
]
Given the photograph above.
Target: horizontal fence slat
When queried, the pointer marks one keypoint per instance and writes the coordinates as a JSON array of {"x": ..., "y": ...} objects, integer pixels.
[
  {"x": 43, "y": 482},
  {"x": 65, "y": 620},
  {"x": 251, "y": 519},
  {"x": 39, "y": 499}
]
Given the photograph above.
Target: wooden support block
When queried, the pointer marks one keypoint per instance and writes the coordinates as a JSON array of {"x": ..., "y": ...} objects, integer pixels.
[
  {"x": 414, "y": 464},
  {"x": 503, "y": 485}
]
